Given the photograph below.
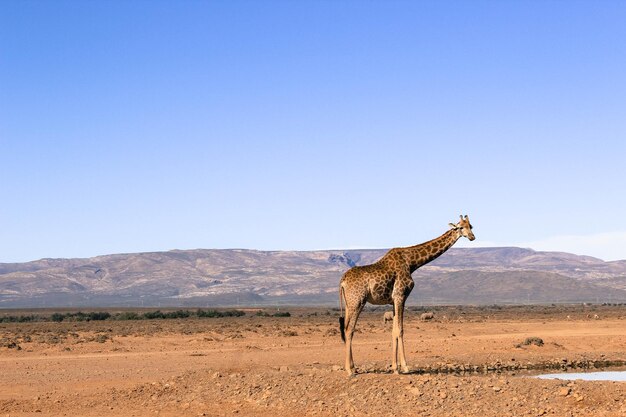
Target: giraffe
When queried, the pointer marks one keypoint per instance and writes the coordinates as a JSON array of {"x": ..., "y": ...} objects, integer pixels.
[{"x": 388, "y": 281}]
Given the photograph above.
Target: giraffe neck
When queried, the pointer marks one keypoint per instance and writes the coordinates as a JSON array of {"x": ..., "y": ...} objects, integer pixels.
[{"x": 423, "y": 253}]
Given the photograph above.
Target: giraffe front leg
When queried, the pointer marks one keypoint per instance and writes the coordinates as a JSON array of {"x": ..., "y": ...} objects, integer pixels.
[
  {"x": 405, "y": 368},
  {"x": 394, "y": 346},
  {"x": 398, "y": 338}
]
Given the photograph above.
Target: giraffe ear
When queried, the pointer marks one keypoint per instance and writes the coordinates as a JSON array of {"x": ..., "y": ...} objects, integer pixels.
[{"x": 452, "y": 225}]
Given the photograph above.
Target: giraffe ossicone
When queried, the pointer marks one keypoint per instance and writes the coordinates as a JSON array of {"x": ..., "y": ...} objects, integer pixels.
[{"x": 388, "y": 281}]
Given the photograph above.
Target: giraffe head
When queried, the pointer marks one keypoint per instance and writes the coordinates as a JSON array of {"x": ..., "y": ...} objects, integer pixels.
[{"x": 464, "y": 227}]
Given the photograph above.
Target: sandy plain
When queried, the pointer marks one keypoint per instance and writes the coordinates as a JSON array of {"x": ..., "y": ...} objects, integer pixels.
[{"x": 468, "y": 361}]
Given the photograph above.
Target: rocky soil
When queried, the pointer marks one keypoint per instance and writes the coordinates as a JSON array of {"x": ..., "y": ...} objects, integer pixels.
[{"x": 465, "y": 362}]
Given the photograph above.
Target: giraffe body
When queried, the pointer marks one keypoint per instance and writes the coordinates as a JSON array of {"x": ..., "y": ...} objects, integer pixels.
[{"x": 389, "y": 281}]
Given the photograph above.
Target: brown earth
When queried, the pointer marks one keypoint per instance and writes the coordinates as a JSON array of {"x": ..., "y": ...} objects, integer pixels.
[{"x": 466, "y": 362}]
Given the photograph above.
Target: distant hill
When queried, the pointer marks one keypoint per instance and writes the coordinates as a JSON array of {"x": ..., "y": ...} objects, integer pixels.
[{"x": 211, "y": 277}]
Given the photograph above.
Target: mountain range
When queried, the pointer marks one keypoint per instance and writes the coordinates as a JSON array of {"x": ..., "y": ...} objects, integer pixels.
[{"x": 222, "y": 277}]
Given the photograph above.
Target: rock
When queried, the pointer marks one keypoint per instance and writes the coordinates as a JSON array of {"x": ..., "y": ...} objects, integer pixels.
[
  {"x": 537, "y": 341},
  {"x": 283, "y": 368},
  {"x": 564, "y": 391},
  {"x": 336, "y": 368},
  {"x": 497, "y": 389},
  {"x": 443, "y": 395},
  {"x": 427, "y": 316}
]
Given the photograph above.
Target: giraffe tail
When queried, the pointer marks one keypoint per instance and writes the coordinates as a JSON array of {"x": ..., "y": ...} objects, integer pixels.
[{"x": 342, "y": 320}]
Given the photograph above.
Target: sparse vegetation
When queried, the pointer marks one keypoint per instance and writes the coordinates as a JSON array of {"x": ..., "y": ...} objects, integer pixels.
[
  {"x": 537, "y": 341},
  {"x": 158, "y": 314},
  {"x": 33, "y": 318},
  {"x": 215, "y": 313},
  {"x": 9, "y": 343},
  {"x": 57, "y": 317},
  {"x": 261, "y": 313},
  {"x": 125, "y": 315},
  {"x": 100, "y": 338},
  {"x": 19, "y": 319},
  {"x": 151, "y": 315},
  {"x": 80, "y": 316}
]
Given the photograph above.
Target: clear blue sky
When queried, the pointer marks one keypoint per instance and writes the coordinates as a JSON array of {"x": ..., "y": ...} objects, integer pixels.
[{"x": 150, "y": 125}]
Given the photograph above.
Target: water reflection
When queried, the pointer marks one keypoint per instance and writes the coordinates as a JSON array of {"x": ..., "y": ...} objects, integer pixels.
[{"x": 589, "y": 376}]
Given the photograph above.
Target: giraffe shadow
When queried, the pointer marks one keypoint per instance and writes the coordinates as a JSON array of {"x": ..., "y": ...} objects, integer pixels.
[
  {"x": 388, "y": 371},
  {"x": 374, "y": 371}
]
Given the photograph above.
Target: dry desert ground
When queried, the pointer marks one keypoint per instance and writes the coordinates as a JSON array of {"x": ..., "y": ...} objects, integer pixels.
[{"x": 467, "y": 361}]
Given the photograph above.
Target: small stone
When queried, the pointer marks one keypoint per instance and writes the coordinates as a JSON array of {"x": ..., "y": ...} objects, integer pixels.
[
  {"x": 443, "y": 395},
  {"x": 416, "y": 391},
  {"x": 497, "y": 389},
  {"x": 283, "y": 368},
  {"x": 564, "y": 391},
  {"x": 336, "y": 368}
]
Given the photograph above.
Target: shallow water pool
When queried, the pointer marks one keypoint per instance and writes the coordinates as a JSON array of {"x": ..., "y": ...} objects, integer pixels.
[{"x": 589, "y": 376}]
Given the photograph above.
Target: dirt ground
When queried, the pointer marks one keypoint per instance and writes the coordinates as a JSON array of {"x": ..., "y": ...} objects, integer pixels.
[{"x": 466, "y": 362}]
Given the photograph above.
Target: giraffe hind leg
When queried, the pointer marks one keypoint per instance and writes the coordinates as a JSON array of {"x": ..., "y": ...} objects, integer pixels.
[
  {"x": 352, "y": 314},
  {"x": 398, "y": 338}
]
